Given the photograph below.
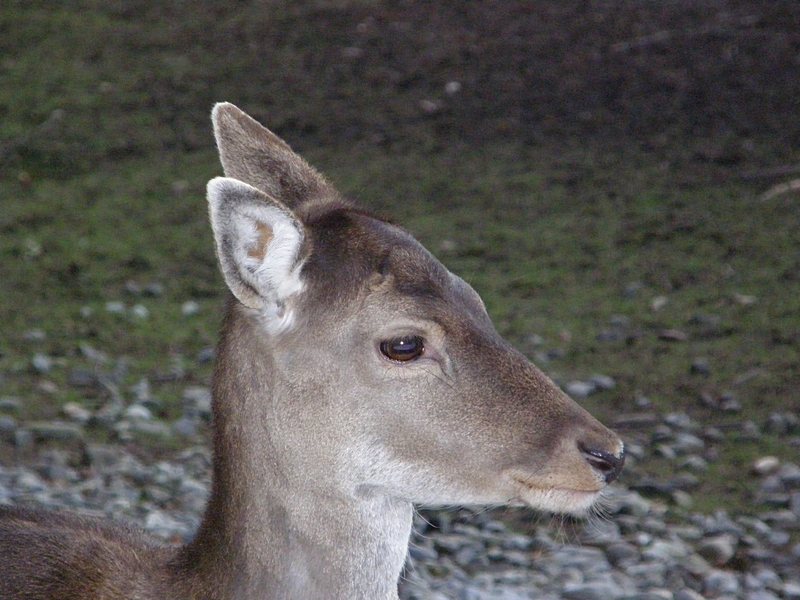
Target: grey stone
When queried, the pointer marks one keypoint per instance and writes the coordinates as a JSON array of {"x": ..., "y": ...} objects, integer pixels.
[
  {"x": 115, "y": 307},
  {"x": 791, "y": 591},
  {"x": 602, "y": 382},
  {"x": 666, "y": 450},
  {"x": 663, "y": 550},
  {"x": 9, "y": 404},
  {"x": 685, "y": 443},
  {"x": 700, "y": 366},
  {"x": 190, "y": 308},
  {"x": 694, "y": 462},
  {"x": 517, "y": 542},
  {"x": 579, "y": 389},
  {"x": 680, "y": 420},
  {"x": 450, "y": 543},
  {"x": 23, "y": 439},
  {"x": 154, "y": 288},
  {"x": 154, "y": 428},
  {"x": 622, "y": 554},
  {"x": 794, "y": 503},
  {"x": 778, "y": 538},
  {"x": 42, "y": 362},
  {"x": 687, "y": 594},
  {"x": 35, "y": 335},
  {"x": 469, "y": 554},
  {"x": 197, "y": 399},
  {"x": 76, "y": 412},
  {"x": 422, "y": 553},
  {"x": 517, "y": 558},
  {"x": 592, "y": 591},
  {"x": 600, "y": 533},
  {"x": 8, "y": 425},
  {"x": 789, "y": 474},
  {"x": 647, "y": 574},
  {"x": 138, "y": 412},
  {"x": 784, "y": 519},
  {"x": 771, "y": 484},
  {"x": 205, "y": 355},
  {"x": 777, "y": 423},
  {"x": 766, "y": 465},
  {"x": 721, "y": 582},
  {"x": 55, "y": 431},
  {"x": 750, "y": 431},
  {"x": 184, "y": 426},
  {"x": 760, "y": 595},
  {"x": 718, "y": 550}
]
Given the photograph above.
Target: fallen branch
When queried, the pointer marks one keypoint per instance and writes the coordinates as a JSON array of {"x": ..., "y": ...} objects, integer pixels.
[
  {"x": 780, "y": 189},
  {"x": 660, "y": 37},
  {"x": 770, "y": 173}
]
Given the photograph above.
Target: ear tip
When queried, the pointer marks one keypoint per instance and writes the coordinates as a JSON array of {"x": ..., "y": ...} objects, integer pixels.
[
  {"x": 230, "y": 118},
  {"x": 221, "y": 184},
  {"x": 224, "y": 108}
]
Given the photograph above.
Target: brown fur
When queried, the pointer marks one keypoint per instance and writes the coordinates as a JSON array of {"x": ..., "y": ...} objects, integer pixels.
[{"x": 321, "y": 444}]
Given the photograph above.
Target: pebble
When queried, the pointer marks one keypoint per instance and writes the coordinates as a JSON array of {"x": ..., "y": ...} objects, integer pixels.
[
  {"x": 76, "y": 412},
  {"x": 115, "y": 307},
  {"x": 189, "y": 308},
  {"x": 580, "y": 389},
  {"x": 719, "y": 582},
  {"x": 41, "y": 362},
  {"x": 55, "y": 431},
  {"x": 718, "y": 550},
  {"x": 766, "y": 465},
  {"x": 138, "y": 412},
  {"x": 602, "y": 382},
  {"x": 197, "y": 400},
  {"x": 791, "y": 591},
  {"x": 700, "y": 366},
  {"x": 8, "y": 425},
  {"x": 205, "y": 355},
  {"x": 140, "y": 311},
  {"x": 643, "y": 551},
  {"x": 687, "y": 594},
  {"x": 9, "y": 404}
]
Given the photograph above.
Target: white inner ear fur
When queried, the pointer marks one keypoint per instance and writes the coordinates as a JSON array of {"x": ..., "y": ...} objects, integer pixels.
[
  {"x": 266, "y": 250},
  {"x": 258, "y": 244}
]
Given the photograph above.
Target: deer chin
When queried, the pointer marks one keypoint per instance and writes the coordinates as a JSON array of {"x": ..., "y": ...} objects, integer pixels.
[{"x": 563, "y": 500}]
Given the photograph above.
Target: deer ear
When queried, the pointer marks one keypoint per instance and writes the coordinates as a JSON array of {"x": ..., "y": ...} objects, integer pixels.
[
  {"x": 259, "y": 244},
  {"x": 251, "y": 153}
]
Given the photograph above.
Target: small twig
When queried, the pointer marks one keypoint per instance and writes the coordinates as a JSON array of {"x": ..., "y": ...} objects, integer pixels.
[
  {"x": 780, "y": 189},
  {"x": 43, "y": 127},
  {"x": 747, "y": 376},
  {"x": 770, "y": 173},
  {"x": 660, "y": 37}
]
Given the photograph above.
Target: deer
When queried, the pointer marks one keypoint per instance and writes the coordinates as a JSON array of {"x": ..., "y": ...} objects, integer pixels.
[{"x": 355, "y": 377}]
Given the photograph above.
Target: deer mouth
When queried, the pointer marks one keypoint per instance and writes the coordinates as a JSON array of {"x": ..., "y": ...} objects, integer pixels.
[{"x": 557, "y": 499}]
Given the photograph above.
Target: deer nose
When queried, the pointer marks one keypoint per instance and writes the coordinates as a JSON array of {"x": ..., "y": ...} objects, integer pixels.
[{"x": 609, "y": 465}]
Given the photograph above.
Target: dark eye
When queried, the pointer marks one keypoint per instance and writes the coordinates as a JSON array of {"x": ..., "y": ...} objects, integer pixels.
[{"x": 403, "y": 349}]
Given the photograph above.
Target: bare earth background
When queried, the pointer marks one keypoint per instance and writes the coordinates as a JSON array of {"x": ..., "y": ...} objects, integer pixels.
[{"x": 619, "y": 180}]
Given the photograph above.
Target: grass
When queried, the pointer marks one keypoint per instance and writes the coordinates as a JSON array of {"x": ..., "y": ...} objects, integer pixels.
[{"x": 566, "y": 239}]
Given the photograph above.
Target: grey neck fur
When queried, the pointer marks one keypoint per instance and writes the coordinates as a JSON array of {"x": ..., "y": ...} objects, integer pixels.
[{"x": 284, "y": 535}]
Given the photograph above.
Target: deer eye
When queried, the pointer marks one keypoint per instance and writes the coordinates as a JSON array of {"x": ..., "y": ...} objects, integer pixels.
[{"x": 403, "y": 349}]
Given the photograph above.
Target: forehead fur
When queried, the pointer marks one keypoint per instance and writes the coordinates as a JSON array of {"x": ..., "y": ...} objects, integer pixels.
[{"x": 351, "y": 248}]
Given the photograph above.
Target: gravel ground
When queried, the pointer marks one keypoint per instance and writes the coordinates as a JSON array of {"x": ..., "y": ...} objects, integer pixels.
[{"x": 638, "y": 548}]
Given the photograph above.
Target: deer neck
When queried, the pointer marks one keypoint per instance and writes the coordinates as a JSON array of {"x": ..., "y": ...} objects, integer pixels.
[{"x": 268, "y": 532}]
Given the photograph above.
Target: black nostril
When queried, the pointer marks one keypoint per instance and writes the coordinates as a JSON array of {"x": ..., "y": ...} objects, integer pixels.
[{"x": 608, "y": 464}]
